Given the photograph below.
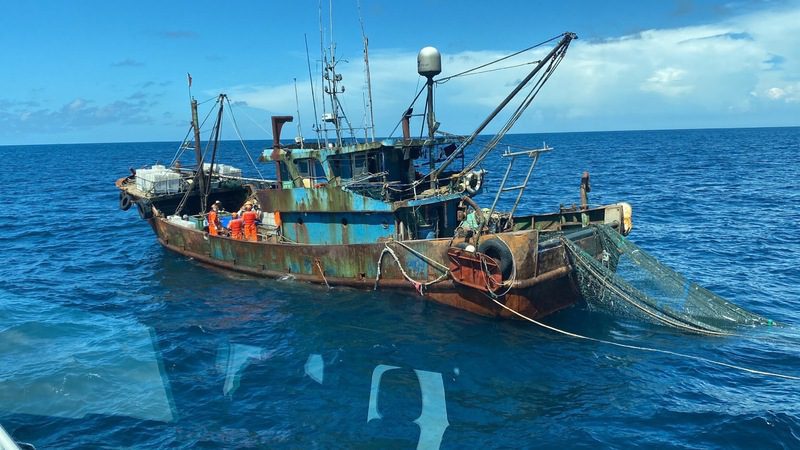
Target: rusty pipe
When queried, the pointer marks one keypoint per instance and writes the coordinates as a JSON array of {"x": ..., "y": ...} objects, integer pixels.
[
  {"x": 547, "y": 276},
  {"x": 406, "y": 121},
  {"x": 478, "y": 211},
  {"x": 586, "y": 187}
]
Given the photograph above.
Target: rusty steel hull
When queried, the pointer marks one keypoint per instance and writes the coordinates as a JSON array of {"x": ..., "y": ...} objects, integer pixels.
[{"x": 543, "y": 284}]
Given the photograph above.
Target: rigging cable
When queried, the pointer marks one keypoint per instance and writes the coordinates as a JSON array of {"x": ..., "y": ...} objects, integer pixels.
[
  {"x": 182, "y": 148},
  {"x": 409, "y": 107},
  {"x": 239, "y": 135},
  {"x": 446, "y": 79},
  {"x": 217, "y": 129},
  {"x": 198, "y": 171},
  {"x": 494, "y": 70},
  {"x": 518, "y": 112},
  {"x": 313, "y": 94},
  {"x": 557, "y": 52}
]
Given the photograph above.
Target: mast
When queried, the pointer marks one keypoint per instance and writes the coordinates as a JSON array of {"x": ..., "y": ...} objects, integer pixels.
[
  {"x": 332, "y": 89},
  {"x": 217, "y": 127},
  {"x": 297, "y": 103},
  {"x": 322, "y": 74},
  {"x": 429, "y": 64},
  {"x": 371, "y": 125},
  {"x": 333, "y": 79},
  {"x": 198, "y": 155},
  {"x": 432, "y": 125}
]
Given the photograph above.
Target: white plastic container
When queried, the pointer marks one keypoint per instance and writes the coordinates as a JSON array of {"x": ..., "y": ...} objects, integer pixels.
[
  {"x": 224, "y": 169},
  {"x": 268, "y": 219},
  {"x": 158, "y": 180},
  {"x": 230, "y": 171},
  {"x": 177, "y": 220}
]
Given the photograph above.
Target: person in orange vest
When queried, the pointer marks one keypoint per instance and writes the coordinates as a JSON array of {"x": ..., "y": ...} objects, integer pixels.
[
  {"x": 235, "y": 226},
  {"x": 214, "y": 225},
  {"x": 249, "y": 218}
]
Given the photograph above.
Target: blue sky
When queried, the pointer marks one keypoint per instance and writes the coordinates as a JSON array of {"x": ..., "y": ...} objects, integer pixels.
[{"x": 99, "y": 71}]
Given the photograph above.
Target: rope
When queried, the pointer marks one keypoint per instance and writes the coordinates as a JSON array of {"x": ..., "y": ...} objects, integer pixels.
[
  {"x": 241, "y": 140},
  {"x": 322, "y": 272},
  {"x": 508, "y": 283},
  {"x": 646, "y": 349},
  {"x": 409, "y": 107},
  {"x": 207, "y": 100},
  {"x": 184, "y": 145},
  {"x": 538, "y": 85},
  {"x": 418, "y": 285},
  {"x": 492, "y": 70},
  {"x": 445, "y": 79},
  {"x": 199, "y": 170},
  {"x": 181, "y": 148},
  {"x": 441, "y": 267}
]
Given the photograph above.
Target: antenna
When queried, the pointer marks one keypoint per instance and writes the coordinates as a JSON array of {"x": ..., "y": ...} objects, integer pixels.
[
  {"x": 333, "y": 78},
  {"x": 313, "y": 94},
  {"x": 322, "y": 74},
  {"x": 297, "y": 102},
  {"x": 371, "y": 124},
  {"x": 330, "y": 19}
]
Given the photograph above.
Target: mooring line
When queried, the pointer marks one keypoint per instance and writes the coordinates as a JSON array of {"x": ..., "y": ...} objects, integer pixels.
[
  {"x": 322, "y": 272},
  {"x": 646, "y": 349}
]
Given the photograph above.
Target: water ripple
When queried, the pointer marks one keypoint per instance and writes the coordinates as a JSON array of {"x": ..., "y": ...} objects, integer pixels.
[{"x": 87, "y": 281}]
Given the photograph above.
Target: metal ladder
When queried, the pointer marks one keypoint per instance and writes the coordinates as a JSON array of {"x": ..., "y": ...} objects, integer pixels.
[{"x": 534, "y": 154}]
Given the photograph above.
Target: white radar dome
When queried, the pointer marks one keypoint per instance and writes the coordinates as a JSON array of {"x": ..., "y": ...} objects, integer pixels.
[{"x": 429, "y": 62}]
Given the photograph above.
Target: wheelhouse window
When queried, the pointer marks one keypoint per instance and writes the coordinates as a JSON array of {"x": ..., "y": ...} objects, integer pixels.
[
  {"x": 311, "y": 170},
  {"x": 355, "y": 165}
]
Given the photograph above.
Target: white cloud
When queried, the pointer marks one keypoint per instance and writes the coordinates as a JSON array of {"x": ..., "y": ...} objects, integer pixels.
[
  {"x": 789, "y": 93},
  {"x": 76, "y": 104},
  {"x": 776, "y": 93},
  {"x": 730, "y": 73},
  {"x": 667, "y": 81}
]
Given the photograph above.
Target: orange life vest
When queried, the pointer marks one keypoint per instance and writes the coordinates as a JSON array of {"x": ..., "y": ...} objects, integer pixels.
[
  {"x": 213, "y": 222},
  {"x": 235, "y": 225},
  {"x": 249, "y": 219}
]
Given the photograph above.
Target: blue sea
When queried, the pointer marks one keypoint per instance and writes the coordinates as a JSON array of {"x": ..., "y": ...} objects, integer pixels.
[{"x": 107, "y": 340}]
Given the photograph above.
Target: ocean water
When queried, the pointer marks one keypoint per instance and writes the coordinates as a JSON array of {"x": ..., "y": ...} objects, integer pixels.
[{"x": 109, "y": 341}]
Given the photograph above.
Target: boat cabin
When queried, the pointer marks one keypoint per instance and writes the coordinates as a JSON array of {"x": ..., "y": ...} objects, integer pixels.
[{"x": 361, "y": 192}]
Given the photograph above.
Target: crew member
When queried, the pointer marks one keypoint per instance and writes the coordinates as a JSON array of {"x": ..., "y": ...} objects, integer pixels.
[
  {"x": 214, "y": 225},
  {"x": 249, "y": 218},
  {"x": 235, "y": 226}
]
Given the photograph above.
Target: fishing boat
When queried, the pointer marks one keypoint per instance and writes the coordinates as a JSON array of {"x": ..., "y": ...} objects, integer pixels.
[{"x": 395, "y": 213}]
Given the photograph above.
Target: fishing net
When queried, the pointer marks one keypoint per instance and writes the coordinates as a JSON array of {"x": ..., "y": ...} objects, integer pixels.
[{"x": 628, "y": 280}]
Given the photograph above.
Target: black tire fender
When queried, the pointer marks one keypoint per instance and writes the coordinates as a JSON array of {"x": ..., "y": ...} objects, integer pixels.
[
  {"x": 125, "y": 201},
  {"x": 499, "y": 251},
  {"x": 145, "y": 210}
]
